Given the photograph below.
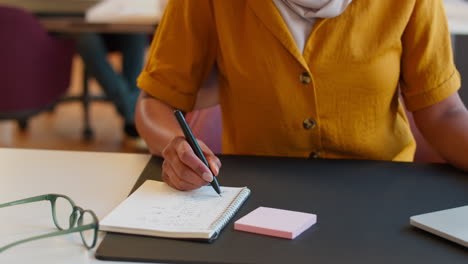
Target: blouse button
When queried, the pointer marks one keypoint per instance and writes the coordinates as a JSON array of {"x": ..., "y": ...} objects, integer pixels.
[
  {"x": 309, "y": 124},
  {"x": 305, "y": 78}
]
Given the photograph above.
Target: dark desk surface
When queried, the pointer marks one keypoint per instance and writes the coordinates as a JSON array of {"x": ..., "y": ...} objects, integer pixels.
[{"x": 363, "y": 210}]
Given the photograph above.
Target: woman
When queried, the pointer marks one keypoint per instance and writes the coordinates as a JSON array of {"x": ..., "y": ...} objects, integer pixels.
[{"x": 302, "y": 78}]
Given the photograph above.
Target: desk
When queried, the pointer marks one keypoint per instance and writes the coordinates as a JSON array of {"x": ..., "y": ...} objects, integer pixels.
[
  {"x": 362, "y": 207},
  {"x": 98, "y": 181}
]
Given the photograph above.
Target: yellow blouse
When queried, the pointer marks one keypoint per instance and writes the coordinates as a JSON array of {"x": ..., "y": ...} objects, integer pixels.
[{"x": 336, "y": 100}]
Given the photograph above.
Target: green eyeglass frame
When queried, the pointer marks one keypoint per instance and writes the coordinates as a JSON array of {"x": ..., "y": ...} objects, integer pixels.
[{"x": 75, "y": 219}]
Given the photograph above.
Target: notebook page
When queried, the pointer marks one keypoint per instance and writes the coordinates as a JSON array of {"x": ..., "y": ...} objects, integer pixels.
[{"x": 157, "y": 207}]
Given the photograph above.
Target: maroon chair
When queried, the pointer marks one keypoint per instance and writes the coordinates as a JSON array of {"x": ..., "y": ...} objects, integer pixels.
[{"x": 35, "y": 67}]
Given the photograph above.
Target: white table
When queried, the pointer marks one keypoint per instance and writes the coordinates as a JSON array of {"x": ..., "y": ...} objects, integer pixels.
[{"x": 96, "y": 181}]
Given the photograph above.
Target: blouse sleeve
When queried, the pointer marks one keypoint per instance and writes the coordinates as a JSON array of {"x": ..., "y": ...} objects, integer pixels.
[
  {"x": 182, "y": 53},
  {"x": 428, "y": 71}
]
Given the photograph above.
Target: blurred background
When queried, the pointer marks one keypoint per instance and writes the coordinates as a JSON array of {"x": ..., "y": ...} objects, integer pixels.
[{"x": 68, "y": 70}]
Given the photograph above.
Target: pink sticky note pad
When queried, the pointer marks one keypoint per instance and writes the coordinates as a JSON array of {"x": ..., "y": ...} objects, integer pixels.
[{"x": 275, "y": 222}]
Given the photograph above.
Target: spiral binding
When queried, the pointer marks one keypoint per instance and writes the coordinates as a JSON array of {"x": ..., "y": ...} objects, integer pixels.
[{"x": 222, "y": 221}]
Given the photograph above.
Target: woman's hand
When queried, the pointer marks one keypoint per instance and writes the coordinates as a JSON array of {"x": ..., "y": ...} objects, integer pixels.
[{"x": 183, "y": 170}]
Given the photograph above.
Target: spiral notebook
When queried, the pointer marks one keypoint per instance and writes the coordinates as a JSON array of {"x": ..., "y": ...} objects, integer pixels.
[{"x": 155, "y": 209}]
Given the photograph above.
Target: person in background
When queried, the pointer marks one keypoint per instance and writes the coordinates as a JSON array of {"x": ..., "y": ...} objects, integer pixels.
[
  {"x": 119, "y": 87},
  {"x": 304, "y": 78}
]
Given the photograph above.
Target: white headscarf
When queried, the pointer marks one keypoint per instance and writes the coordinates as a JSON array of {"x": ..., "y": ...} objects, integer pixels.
[
  {"x": 299, "y": 15},
  {"x": 310, "y": 9}
]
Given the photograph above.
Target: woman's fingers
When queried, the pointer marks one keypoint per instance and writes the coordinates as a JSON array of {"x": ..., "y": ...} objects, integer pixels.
[
  {"x": 213, "y": 161},
  {"x": 188, "y": 157},
  {"x": 175, "y": 181},
  {"x": 183, "y": 170}
]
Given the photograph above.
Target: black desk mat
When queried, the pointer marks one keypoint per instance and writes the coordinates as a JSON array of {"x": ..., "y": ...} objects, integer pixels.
[{"x": 362, "y": 207}]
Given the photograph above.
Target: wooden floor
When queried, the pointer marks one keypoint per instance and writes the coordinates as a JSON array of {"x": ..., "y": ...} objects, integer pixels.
[{"x": 62, "y": 129}]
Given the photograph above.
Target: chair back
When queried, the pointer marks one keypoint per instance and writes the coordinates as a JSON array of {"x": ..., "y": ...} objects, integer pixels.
[{"x": 35, "y": 68}]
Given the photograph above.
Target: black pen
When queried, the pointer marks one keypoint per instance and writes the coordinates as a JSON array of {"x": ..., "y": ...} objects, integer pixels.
[{"x": 195, "y": 147}]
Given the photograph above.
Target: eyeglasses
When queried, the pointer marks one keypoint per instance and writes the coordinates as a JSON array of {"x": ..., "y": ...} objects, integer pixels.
[{"x": 68, "y": 218}]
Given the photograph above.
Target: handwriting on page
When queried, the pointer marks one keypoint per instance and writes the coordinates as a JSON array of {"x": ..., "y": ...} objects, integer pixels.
[{"x": 175, "y": 210}]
